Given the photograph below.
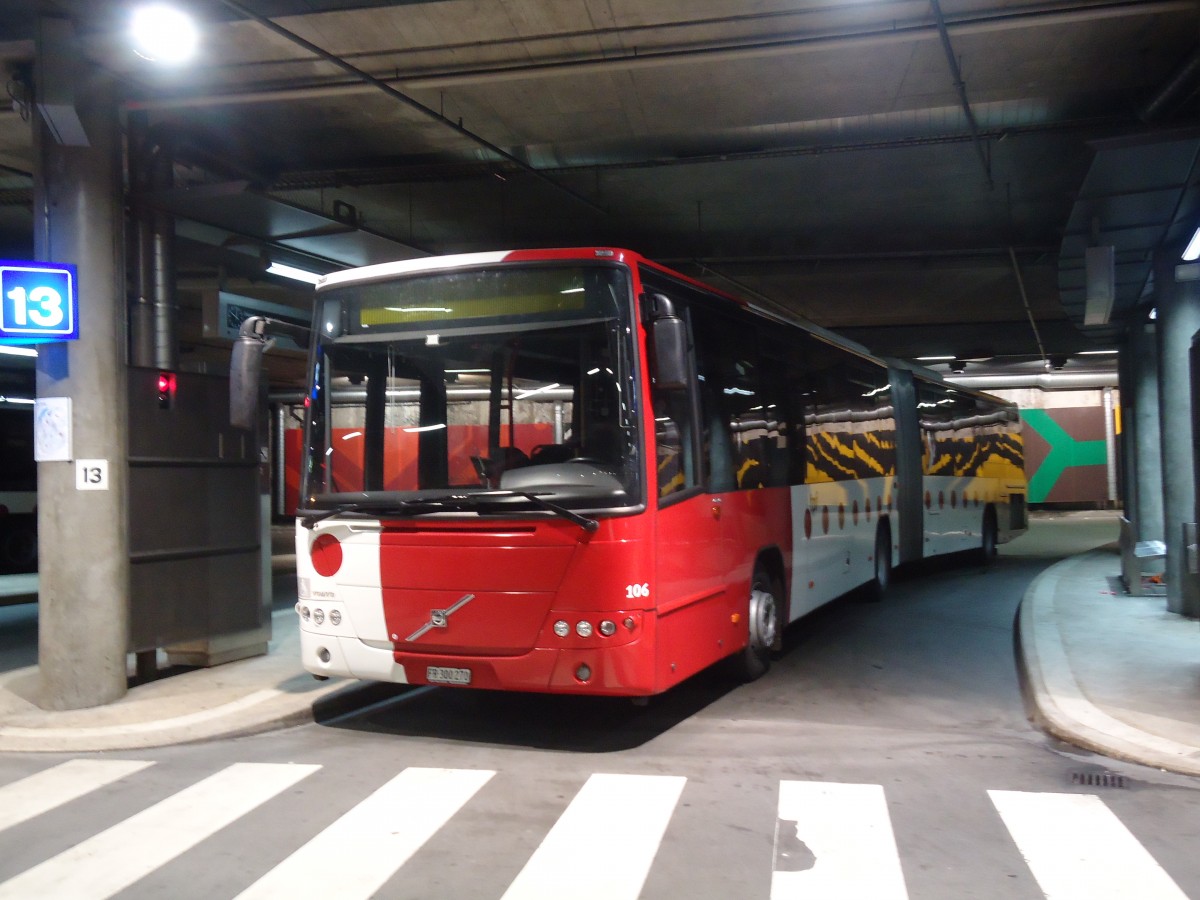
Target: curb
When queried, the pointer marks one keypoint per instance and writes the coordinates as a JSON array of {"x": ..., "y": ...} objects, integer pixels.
[{"x": 1062, "y": 708}]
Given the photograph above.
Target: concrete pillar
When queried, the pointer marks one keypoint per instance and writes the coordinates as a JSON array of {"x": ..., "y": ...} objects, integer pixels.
[
  {"x": 1139, "y": 397},
  {"x": 83, "y": 558},
  {"x": 1178, "y": 306}
]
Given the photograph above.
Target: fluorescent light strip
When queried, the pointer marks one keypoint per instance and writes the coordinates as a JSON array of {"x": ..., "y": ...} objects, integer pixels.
[
  {"x": 1192, "y": 251},
  {"x": 293, "y": 273},
  {"x": 18, "y": 351}
]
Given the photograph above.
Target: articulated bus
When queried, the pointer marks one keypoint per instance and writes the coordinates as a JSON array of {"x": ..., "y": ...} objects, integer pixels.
[{"x": 578, "y": 471}]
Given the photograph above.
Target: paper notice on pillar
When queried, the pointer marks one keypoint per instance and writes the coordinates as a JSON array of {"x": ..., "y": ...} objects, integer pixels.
[{"x": 52, "y": 429}]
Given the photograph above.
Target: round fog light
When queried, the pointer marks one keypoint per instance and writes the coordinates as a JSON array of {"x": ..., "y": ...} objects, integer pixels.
[
  {"x": 318, "y": 616},
  {"x": 335, "y": 617},
  {"x": 323, "y": 654},
  {"x": 583, "y": 629},
  {"x": 305, "y": 613},
  {"x": 608, "y": 628},
  {"x": 583, "y": 673},
  {"x": 562, "y": 628}
]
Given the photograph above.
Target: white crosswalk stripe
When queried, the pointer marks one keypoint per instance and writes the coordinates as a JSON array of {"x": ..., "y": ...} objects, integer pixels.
[
  {"x": 30, "y": 797},
  {"x": 831, "y": 840},
  {"x": 612, "y": 818},
  {"x": 114, "y": 859},
  {"x": 846, "y": 830},
  {"x": 374, "y": 839},
  {"x": 1078, "y": 850}
]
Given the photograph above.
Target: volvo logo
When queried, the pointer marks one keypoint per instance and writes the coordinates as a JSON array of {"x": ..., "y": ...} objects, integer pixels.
[{"x": 438, "y": 617}]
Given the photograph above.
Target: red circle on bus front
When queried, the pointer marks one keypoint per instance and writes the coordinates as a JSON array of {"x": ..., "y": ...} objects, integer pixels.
[{"x": 326, "y": 555}]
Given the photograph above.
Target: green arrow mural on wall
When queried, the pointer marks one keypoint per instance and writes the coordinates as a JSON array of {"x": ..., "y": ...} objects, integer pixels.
[{"x": 1065, "y": 452}]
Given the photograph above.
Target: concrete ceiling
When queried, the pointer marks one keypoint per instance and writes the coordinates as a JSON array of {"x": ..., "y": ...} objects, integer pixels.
[{"x": 924, "y": 178}]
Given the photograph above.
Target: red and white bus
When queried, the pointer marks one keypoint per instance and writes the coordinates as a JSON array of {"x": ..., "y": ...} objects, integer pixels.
[{"x": 578, "y": 471}]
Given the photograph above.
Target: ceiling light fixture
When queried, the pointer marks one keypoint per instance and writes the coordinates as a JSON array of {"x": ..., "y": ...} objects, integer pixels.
[
  {"x": 163, "y": 34},
  {"x": 1192, "y": 250},
  {"x": 293, "y": 273}
]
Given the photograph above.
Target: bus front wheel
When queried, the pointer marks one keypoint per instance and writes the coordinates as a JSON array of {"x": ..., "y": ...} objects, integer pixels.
[{"x": 763, "y": 614}]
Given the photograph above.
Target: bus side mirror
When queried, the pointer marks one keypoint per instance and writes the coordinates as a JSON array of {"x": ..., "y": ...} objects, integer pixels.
[
  {"x": 245, "y": 370},
  {"x": 668, "y": 333},
  {"x": 245, "y": 366}
]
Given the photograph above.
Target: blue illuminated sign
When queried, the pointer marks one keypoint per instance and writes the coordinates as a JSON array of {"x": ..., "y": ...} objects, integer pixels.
[{"x": 38, "y": 302}]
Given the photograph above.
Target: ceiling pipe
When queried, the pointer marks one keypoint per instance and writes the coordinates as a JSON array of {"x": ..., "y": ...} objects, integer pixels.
[
  {"x": 1012, "y": 255},
  {"x": 1049, "y": 381},
  {"x": 408, "y": 101},
  {"x": 960, "y": 87},
  {"x": 1177, "y": 88}
]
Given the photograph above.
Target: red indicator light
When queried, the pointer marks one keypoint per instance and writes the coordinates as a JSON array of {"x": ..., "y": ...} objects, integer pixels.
[{"x": 166, "y": 390}]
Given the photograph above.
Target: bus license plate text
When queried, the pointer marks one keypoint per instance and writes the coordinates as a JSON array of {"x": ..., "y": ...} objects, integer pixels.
[{"x": 443, "y": 675}]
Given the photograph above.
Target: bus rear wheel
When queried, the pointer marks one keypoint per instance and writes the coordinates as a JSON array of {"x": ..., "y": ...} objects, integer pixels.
[
  {"x": 882, "y": 577},
  {"x": 763, "y": 614},
  {"x": 988, "y": 537}
]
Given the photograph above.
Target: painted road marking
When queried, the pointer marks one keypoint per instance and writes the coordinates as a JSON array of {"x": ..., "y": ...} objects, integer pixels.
[
  {"x": 30, "y": 797},
  {"x": 835, "y": 841},
  {"x": 355, "y": 855},
  {"x": 602, "y": 846},
  {"x": 1078, "y": 849},
  {"x": 114, "y": 859}
]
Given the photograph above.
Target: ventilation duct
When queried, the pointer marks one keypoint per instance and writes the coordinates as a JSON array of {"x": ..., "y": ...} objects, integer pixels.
[{"x": 154, "y": 339}]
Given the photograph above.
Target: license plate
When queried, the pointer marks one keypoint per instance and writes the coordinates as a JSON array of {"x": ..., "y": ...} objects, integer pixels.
[{"x": 443, "y": 675}]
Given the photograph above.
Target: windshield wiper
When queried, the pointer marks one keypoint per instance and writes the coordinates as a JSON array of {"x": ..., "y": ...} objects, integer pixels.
[
  {"x": 415, "y": 505},
  {"x": 582, "y": 521},
  {"x": 309, "y": 518}
]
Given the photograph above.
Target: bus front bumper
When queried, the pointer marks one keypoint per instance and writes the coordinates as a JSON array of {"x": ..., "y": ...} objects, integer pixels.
[{"x": 622, "y": 670}]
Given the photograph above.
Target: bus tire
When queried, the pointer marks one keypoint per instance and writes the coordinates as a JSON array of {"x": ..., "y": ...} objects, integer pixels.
[
  {"x": 882, "y": 576},
  {"x": 988, "y": 534},
  {"x": 763, "y": 619}
]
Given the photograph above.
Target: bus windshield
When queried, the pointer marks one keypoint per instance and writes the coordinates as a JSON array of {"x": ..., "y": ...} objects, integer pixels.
[{"x": 485, "y": 390}]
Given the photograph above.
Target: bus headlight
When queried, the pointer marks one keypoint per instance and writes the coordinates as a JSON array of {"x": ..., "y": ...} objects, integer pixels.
[
  {"x": 608, "y": 628},
  {"x": 562, "y": 628},
  {"x": 583, "y": 629}
]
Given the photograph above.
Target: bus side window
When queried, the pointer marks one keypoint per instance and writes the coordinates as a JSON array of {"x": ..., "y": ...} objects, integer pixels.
[
  {"x": 730, "y": 402},
  {"x": 672, "y": 427}
]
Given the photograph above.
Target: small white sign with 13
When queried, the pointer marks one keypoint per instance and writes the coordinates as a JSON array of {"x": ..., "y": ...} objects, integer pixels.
[{"x": 91, "y": 474}]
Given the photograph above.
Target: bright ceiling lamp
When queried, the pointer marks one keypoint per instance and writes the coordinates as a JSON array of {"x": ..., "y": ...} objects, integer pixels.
[
  {"x": 1192, "y": 251},
  {"x": 163, "y": 34},
  {"x": 293, "y": 273}
]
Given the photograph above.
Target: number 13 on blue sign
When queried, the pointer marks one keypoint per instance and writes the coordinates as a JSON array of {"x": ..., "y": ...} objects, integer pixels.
[{"x": 38, "y": 302}]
